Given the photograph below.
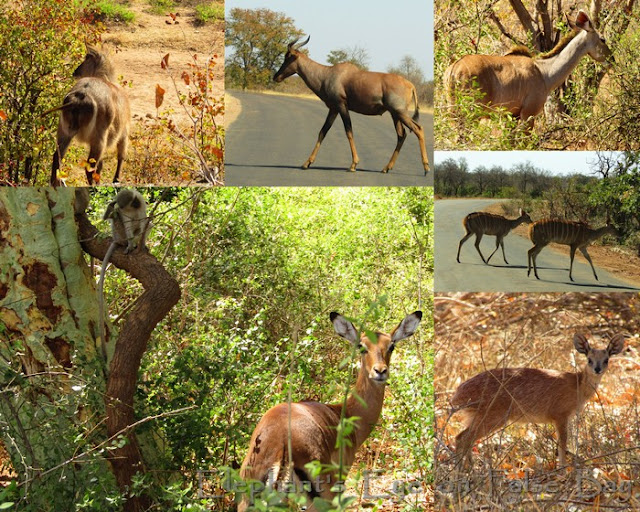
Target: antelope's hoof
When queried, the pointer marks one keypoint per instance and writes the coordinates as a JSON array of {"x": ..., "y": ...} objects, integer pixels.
[
  {"x": 385, "y": 170},
  {"x": 306, "y": 164}
]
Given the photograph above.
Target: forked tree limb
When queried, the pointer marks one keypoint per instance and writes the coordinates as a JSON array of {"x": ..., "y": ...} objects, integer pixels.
[{"x": 161, "y": 293}]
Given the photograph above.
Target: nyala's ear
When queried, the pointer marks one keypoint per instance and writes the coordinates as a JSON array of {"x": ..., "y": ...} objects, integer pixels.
[
  {"x": 407, "y": 327},
  {"x": 344, "y": 328}
]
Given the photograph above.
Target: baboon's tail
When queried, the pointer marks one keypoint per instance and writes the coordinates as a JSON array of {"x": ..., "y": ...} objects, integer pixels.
[{"x": 66, "y": 106}]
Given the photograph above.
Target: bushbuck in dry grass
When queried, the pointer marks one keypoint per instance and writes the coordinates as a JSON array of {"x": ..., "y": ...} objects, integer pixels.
[
  {"x": 521, "y": 83},
  {"x": 310, "y": 428},
  {"x": 481, "y": 223},
  {"x": 96, "y": 112},
  {"x": 576, "y": 235},
  {"x": 345, "y": 87},
  {"x": 492, "y": 399}
]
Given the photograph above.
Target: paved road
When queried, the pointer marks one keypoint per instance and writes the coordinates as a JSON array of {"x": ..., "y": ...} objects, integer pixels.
[
  {"x": 473, "y": 275},
  {"x": 273, "y": 136}
]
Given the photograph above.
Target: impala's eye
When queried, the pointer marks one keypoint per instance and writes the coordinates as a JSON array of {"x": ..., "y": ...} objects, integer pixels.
[
  {"x": 390, "y": 349},
  {"x": 363, "y": 349}
]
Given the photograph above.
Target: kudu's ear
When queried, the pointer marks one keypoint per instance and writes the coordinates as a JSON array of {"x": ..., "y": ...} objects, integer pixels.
[
  {"x": 344, "y": 328},
  {"x": 616, "y": 345},
  {"x": 581, "y": 344},
  {"x": 407, "y": 327},
  {"x": 583, "y": 22}
]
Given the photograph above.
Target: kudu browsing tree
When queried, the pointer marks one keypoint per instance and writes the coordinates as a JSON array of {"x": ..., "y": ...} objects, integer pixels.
[
  {"x": 312, "y": 426},
  {"x": 344, "y": 87},
  {"x": 520, "y": 82}
]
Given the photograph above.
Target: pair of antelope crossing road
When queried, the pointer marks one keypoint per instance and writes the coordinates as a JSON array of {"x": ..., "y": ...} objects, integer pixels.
[{"x": 473, "y": 275}]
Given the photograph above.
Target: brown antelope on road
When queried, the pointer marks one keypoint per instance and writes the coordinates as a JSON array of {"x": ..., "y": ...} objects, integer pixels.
[
  {"x": 521, "y": 83},
  {"x": 345, "y": 87},
  {"x": 481, "y": 223},
  {"x": 96, "y": 112},
  {"x": 492, "y": 399},
  {"x": 576, "y": 235},
  {"x": 310, "y": 428}
]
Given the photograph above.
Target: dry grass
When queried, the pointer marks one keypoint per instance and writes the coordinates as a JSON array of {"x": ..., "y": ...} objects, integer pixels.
[{"x": 511, "y": 468}]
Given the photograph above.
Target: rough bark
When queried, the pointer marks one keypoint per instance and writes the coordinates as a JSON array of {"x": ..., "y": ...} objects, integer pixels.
[{"x": 161, "y": 294}]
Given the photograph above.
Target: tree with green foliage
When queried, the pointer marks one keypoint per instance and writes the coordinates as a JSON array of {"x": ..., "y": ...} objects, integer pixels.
[
  {"x": 258, "y": 38},
  {"x": 355, "y": 55}
]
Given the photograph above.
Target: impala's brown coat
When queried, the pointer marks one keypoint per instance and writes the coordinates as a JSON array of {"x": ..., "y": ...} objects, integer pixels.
[
  {"x": 521, "y": 83},
  {"x": 482, "y": 223},
  {"x": 345, "y": 87},
  {"x": 96, "y": 112},
  {"x": 492, "y": 399},
  {"x": 313, "y": 424},
  {"x": 576, "y": 235}
]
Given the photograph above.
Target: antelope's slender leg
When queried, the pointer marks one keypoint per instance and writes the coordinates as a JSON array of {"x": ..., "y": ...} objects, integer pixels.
[
  {"x": 402, "y": 135},
  {"x": 464, "y": 239},
  {"x": 584, "y": 252},
  {"x": 419, "y": 132},
  {"x": 532, "y": 254},
  {"x": 561, "y": 428},
  {"x": 331, "y": 117},
  {"x": 346, "y": 120},
  {"x": 499, "y": 243},
  {"x": 572, "y": 254},
  {"x": 477, "y": 244},
  {"x": 504, "y": 256}
]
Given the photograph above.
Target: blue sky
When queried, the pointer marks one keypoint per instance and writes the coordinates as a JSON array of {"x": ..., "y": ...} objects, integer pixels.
[
  {"x": 556, "y": 162},
  {"x": 387, "y": 30}
]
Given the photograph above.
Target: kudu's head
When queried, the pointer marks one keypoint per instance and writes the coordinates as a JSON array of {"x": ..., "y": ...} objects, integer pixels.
[
  {"x": 598, "y": 49},
  {"x": 598, "y": 359},
  {"x": 290, "y": 64},
  {"x": 376, "y": 356},
  {"x": 95, "y": 64}
]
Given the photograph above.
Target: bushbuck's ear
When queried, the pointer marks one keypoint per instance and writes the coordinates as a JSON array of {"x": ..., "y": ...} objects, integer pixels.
[
  {"x": 583, "y": 22},
  {"x": 344, "y": 328},
  {"x": 407, "y": 327},
  {"x": 581, "y": 343},
  {"x": 616, "y": 345}
]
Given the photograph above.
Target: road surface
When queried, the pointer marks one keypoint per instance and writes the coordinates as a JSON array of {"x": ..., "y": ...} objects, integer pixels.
[
  {"x": 274, "y": 135},
  {"x": 473, "y": 275}
]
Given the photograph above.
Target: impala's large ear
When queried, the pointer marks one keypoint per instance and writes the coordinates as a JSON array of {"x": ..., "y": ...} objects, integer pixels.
[
  {"x": 407, "y": 327},
  {"x": 344, "y": 328}
]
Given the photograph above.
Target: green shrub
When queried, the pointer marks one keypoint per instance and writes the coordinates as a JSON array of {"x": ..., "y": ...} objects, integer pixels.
[
  {"x": 161, "y": 6},
  {"x": 108, "y": 10},
  {"x": 209, "y": 12}
]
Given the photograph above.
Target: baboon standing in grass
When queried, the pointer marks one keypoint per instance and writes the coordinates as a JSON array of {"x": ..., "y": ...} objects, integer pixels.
[{"x": 96, "y": 112}]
